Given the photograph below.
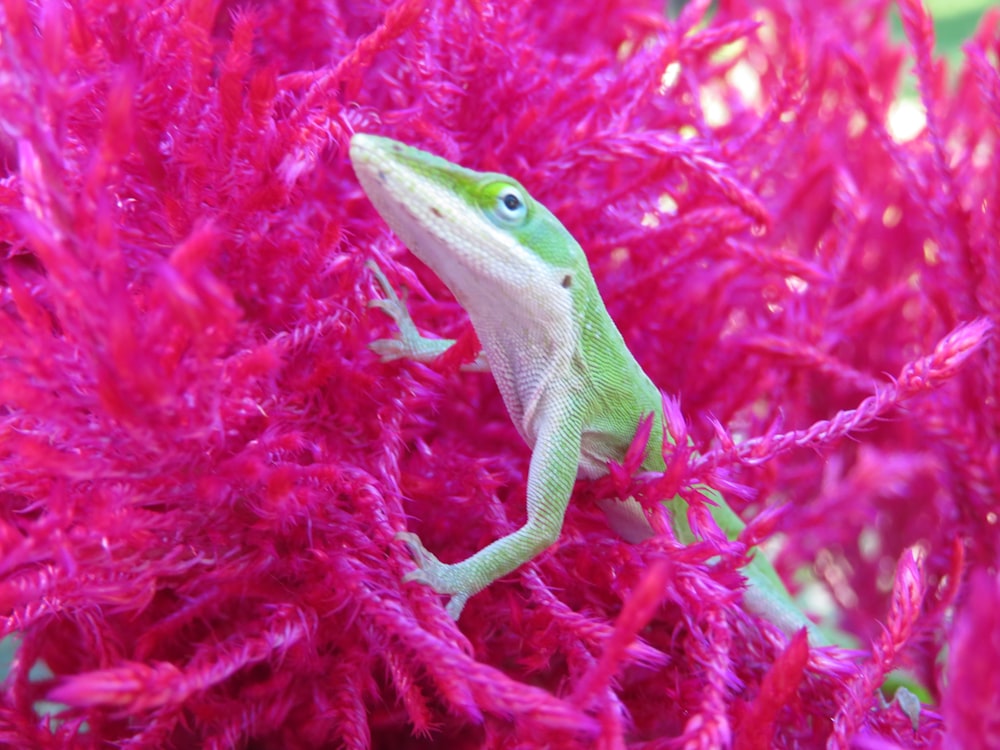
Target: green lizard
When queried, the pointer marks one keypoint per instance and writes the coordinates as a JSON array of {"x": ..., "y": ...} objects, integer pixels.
[{"x": 571, "y": 386}]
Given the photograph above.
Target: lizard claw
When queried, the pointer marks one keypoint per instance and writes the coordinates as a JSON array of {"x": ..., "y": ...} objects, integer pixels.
[
  {"x": 433, "y": 573},
  {"x": 421, "y": 556},
  {"x": 394, "y": 307},
  {"x": 390, "y": 304}
]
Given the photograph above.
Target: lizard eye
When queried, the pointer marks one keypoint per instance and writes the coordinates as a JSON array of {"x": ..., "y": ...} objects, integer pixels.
[{"x": 510, "y": 206}]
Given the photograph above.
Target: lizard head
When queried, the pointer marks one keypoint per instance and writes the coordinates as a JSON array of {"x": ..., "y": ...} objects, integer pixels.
[{"x": 482, "y": 233}]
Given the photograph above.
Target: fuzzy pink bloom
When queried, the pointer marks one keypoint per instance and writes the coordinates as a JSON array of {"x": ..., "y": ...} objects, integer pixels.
[
  {"x": 203, "y": 466},
  {"x": 974, "y": 683}
]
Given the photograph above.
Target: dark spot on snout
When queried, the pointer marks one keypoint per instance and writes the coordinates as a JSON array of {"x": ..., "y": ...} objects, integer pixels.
[
  {"x": 437, "y": 213},
  {"x": 567, "y": 281},
  {"x": 381, "y": 176}
]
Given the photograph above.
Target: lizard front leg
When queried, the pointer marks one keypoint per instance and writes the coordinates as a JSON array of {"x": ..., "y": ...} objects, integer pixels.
[{"x": 550, "y": 483}]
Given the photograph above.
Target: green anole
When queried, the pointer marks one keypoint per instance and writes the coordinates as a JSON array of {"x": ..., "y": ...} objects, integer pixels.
[{"x": 572, "y": 388}]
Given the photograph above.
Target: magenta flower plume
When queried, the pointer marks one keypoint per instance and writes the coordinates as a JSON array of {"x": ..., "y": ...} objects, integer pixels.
[{"x": 203, "y": 466}]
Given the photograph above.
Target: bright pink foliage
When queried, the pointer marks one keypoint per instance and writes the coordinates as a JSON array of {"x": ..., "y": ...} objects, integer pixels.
[{"x": 202, "y": 465}]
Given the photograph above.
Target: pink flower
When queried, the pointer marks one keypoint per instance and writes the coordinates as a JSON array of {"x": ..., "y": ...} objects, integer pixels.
[{"x": 203, "y": 466}]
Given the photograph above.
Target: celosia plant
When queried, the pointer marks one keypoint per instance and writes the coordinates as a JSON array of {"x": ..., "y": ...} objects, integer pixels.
[{"x": 203, "y": 466}]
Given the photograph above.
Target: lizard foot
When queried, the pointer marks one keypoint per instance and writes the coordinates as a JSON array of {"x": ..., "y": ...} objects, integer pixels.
[
  {"x": 442, "y": 577},
  {"x": 409, "y": 344},
  {"x": 395, "y": 308}
]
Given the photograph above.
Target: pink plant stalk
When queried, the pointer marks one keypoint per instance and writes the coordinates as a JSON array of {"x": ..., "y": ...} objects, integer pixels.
[{"x": 203, "y": 466}]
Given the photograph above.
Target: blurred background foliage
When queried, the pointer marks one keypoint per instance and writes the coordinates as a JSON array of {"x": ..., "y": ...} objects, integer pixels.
[{"x": 954, "y": 22}]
